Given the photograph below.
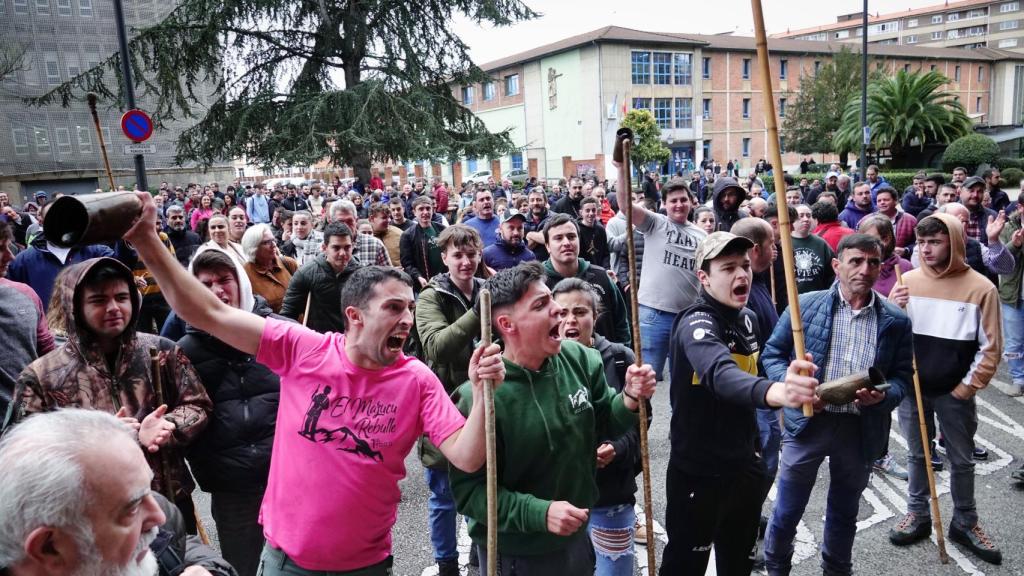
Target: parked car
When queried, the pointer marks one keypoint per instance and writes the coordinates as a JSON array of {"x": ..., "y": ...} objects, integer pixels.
[
  {"x": 518, "y": 177},
  {"x": 478, "y": 176}
]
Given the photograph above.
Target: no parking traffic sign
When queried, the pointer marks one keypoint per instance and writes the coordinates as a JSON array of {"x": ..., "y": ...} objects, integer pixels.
[{"x": 136, "y": 125}]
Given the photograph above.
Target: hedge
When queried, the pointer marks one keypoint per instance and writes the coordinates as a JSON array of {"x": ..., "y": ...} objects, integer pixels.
[
  {"x": 970, "y": 152},
  {"x": 1011, "y": 177},
  {"x": 898, "y": 180}
]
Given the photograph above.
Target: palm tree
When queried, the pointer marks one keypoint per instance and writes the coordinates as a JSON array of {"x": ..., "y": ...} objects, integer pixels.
[{"x": 908, "y": 109}]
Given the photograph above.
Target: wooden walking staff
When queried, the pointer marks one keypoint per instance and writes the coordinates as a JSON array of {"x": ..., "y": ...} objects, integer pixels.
[
  {"x": 103, "y": 145},
  {"x": 927, "y": 446},
  {"x": 165, "y": 464},
  {"x": 489, "y": 432},
  {"x": 623, "y": 143},
  {"x": 775, "y": 155}
]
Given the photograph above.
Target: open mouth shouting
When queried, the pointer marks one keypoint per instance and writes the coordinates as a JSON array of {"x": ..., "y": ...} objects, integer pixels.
[{"x": 395, "y": 342}]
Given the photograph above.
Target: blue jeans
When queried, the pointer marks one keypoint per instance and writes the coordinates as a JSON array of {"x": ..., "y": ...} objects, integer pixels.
[
  {"x": 958, "y": 420},
  {"x": 611, "y": 530},
  {"x": 443, "y": 517},
  {"x": 837, "y": 436},
  {"x": 1013, "y": 341},
  {"x": 655, "y": 334},
  {"x": 771, "y": 439}
]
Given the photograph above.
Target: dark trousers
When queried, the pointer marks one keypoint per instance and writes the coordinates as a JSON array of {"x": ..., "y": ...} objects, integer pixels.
[
  {"x": 188, "y": 513},
  {"x": 576, "y": 559},
  {"x": 153, "y": 313},
  {"x": 241, "y": 536},
  {"x": 702, "y": 511}
]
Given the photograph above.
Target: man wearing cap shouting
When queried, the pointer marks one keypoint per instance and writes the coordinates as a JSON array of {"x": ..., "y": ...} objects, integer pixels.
[
  {"x": 714, "y": 474},
  {"x": 727, "y": 199},
  {"x": 509, "y": 249}
]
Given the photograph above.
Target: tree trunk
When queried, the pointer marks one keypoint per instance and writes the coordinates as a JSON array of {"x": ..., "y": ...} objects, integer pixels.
[
  {"x": 844, "y": 157},
  {"x": 361, "y": 167}
]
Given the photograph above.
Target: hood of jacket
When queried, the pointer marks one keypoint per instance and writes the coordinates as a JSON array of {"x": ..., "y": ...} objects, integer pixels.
[
  {"x": 513, "y": 249},
  {"x": 549, "y": 268},
  {"x": 246, "y": 301},
  {"x": 80, "y": 337},
  {"x": 957, "y": 249},
  {"x": 852, "y": 207}
]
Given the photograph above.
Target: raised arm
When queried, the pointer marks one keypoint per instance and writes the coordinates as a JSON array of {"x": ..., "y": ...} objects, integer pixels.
[
  {"x": 189, "y": 299},
  {"x": 623, "y": 197}
]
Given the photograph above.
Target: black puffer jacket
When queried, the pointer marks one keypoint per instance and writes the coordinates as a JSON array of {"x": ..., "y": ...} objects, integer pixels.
[
  {"x": 233, "y": 453},
  {"x": 175, "y": 550},
  {"x": 317, "y": 277}
]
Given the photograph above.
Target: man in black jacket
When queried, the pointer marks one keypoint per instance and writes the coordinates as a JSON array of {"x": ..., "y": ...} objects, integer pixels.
[
  {"x": 570, "y": 203},
  {"x": 421, "y": 258},
  {"x": 185, "y": 241},
  {"x": 714, "y": 475},
  {"x": 231, "y": 459},
  {"x": 318, "y": 283}
]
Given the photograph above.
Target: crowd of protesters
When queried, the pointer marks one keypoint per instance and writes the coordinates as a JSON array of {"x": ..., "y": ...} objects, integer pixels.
[{"x": 284, "y": 348}]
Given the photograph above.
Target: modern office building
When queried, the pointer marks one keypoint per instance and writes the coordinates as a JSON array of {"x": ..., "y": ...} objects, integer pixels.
[
  {"x": 965, "y": 24},
  {"x": 57, "y": 149},
  {"x": 565, "y": 100}
]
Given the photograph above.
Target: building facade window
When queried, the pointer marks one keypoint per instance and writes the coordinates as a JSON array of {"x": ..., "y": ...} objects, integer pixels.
[
  {"x": 782, "y": 107},
  {"x": 932, "y": 68},
  {"x": 981, "y": 74},
  {"x": 641, "y": 103},
  {"x": 783, "y": 69},
  {"x": 936, "y": 35},
  {"x": 1009, "y": 25},
  {"x": 662, "y": 67},
  {"x": 937, "y": 19},
  {"x": 663, "y": 112},
  {"x": 746, "y": 107},
  {"x": 467, "y": 95},
  {"x": 20, "y": 6},
  {"x": 706, "y": 109},
  {"x": 20, "y": 137},
  {"x": 517, "y": 161},
  {"x": 842, "y": 34},
  {"x": 912, "y": 23},
  {"x": 52, "y": 69},
  {"x": 43, "y": 7},
  {"x": 85, "y": 8},
  {"x": 817, "y": 66},
  {"x": 512, "y": 85},
  {"x": 782, "y": 145},
  {"x": 912, "y": 39},
  {"x": 84, "y": 139},
  {"x": 1009, "y": 7},
  {"x": 746, "y": 147},
  {"x": 705, "y": 67},
  {"x": 684, "y": 113},
  {"x": 977, "y": 104},
  {"x": 956, "y": 73},
  {"x": 906, "y": 67},
  {"x": 64, "y": 7},
  {"x": 1008, "y": 43},
  {"x": 42, "y": 138},
  {"x": 63, "y": 141},
  {"x": 641, "y": 67},
  {"x": 682, "y": 69},
  {"x": 746, "y": 68},
  {"x": 488, "y": 91}
]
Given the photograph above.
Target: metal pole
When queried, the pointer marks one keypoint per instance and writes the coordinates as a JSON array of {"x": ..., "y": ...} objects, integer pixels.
[
  {"x": 129, "y": 88},
  {"x": 863, "y": 96}
]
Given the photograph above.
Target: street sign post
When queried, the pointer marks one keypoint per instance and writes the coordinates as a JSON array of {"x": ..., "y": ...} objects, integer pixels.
[
  {"x": 133, "y": 149},
  {"x": 136, "y": 125}
]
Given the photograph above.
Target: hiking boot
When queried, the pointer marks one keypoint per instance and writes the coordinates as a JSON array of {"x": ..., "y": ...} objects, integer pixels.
[
  {"x": 977, "y": 541},
  {"x": 911, "y": 528},
  {"x": 448, "y": 568},
  {"x": 640, "y": 533},
  {"x": 888, "y": 465}
]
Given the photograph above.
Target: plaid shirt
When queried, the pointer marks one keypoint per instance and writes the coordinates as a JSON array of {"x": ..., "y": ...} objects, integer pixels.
[
  {"x": 370, "y": 251},
  {"x": 853, "y": 344}
]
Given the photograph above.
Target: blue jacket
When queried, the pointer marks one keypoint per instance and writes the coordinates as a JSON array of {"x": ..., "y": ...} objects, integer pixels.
[
  {"x": 502, "y": 255},
  {"x": 38, "y": 267},
  {"x": 894, "y": 358}
]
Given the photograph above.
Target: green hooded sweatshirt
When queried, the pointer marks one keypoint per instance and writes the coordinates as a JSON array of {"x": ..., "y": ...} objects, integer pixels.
[{"x": 547, "y": 426}]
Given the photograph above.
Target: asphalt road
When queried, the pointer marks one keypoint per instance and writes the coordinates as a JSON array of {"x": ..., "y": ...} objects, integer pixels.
[{"x": 1000, "y": 504}]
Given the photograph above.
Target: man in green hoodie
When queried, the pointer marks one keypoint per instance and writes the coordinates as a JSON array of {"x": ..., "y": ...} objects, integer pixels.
[
  {"x": 562, "y": 240},
  {"x": 552, "y": 407}
]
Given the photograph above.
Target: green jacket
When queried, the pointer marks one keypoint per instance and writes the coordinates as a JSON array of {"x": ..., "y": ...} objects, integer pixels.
[
  {"x": 446, "y": 328},
  {"x": 547, "y": 426},
  {"x": 613, "y": 321},
  {"x": 1010, "y": 284}
]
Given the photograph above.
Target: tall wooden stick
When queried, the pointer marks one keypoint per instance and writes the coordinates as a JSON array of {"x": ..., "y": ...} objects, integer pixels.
[
  {"x": 492, "y": 455},
  {"x": 927, "y": 446},
  {"x": 785, "y": 226},
  {"x": 99, "y": 132},
  {"x": 623, "y": 144},
  {"x": 305, "y": 315}
]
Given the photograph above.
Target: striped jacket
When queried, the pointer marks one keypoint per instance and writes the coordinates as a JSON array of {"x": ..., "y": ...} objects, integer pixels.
[{"x": 956, "y": 318}]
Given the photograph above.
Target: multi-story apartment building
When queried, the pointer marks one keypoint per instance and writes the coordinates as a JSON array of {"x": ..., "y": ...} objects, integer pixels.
[
  {"x": 704, "y": 91},
  {"x": 965, "y": 24},
  {"x": 57, "y": 149}
]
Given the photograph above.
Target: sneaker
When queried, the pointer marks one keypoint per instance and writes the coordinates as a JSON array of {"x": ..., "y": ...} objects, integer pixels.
[
  {"x": 640, "y": 533},
  {"x": 762, "y": 527},
  {"x": 911, "y": 528},
  {"x": 937, "y": 464},
  {"x": 980, "y": 453},
  {"x": 448, "y": 568},
  {"x": 1018, "y": 474},
  {"x": 1016, "y": 389},
  {"x": 977, "y": 541},
  {"x": 888, "y": 465}
]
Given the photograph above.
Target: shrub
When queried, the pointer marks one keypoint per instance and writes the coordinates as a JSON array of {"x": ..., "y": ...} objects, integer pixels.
[
  {"x": 1004, "y": 163},
  {"x": 970, "y": 151},
  {"x": 1011, "y": 177}
]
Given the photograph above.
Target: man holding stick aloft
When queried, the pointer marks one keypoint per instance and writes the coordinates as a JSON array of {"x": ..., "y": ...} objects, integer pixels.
[
  {"x": 352, "y": 406},
  {"x": 553, "y": 407},
  {"x": 715, "y": 475},
  {"x": 850, "y": 328},
  {"x": 955, "y": 311}
]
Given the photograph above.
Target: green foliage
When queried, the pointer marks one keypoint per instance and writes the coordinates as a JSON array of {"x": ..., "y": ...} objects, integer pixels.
[
  {"x": 1011, "y": 177},
  {"x": 970, "y": 151},
  {"x": 898, "y": 180},
  {"x": 908, "y": 109},
  {"x": 647, "y": 146},
  {"x": 816, "y": 113},
  {"x": 1004, "y": 163},
  {"x": 292, "y": 82}
]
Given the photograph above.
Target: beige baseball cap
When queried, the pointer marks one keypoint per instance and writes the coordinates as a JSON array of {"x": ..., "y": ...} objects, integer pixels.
[{"x": 716, "y": 242}]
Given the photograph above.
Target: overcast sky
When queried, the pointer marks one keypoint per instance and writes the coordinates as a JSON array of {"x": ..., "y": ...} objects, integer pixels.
[{"x": 564, "y": 18}]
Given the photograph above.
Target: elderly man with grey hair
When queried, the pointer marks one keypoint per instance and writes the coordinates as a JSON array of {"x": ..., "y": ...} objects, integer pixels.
[
  {"x": 185, "y": 241},
  {"x": 367, "y": 249}
]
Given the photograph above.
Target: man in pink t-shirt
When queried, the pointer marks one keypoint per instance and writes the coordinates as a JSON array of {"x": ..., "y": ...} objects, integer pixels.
[{"x": 352, "y": 406}]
